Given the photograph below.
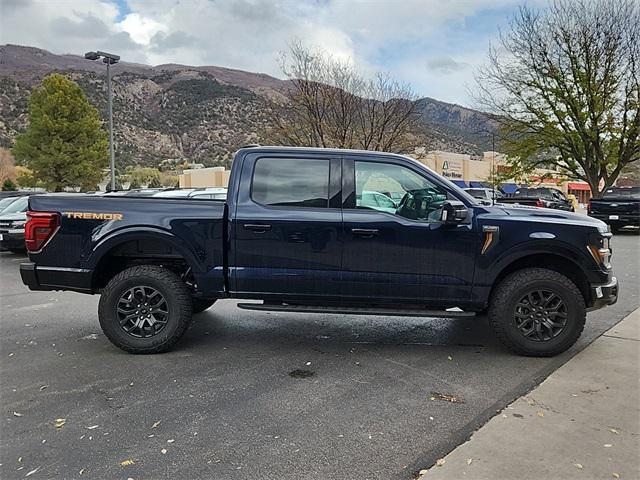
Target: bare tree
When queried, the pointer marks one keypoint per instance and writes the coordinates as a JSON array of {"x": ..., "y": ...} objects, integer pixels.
[
  {"x": 7, "y": 168},
  {"x": 330, "y": 104},
  {"x": 565, "y": 84}
]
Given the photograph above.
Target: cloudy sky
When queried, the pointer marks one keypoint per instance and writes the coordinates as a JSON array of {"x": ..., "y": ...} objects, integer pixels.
[{"x": 433, "y": 44}]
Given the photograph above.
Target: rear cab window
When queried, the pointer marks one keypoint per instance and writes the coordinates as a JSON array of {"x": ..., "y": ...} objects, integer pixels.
[{"x": 291, "y": 182}]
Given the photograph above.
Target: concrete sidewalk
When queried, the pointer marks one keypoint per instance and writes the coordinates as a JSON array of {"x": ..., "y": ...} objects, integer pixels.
[{"x": 582, "y": 422}]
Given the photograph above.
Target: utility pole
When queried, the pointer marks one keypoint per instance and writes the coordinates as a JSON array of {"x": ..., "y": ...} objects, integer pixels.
[{"x": 109, "y": 59}]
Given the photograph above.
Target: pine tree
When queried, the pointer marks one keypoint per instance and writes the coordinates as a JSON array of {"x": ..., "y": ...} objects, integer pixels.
[
  {"x": 8, "y": 186},
  {"x": 64, "y": 145}
]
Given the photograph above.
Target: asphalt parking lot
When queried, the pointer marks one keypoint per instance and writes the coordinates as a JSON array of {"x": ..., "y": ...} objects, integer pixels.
[{"x": 225, "y": 405}]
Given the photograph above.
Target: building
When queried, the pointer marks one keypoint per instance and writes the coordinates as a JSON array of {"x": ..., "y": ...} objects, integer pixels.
[
  {"x": 467, "y": 171},
  {"x": 204, "y": 177}
]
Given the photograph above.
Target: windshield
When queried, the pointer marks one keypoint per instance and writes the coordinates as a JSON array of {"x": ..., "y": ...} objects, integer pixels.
[
  {"x": 19, "y": 205},
  {"x": 5, "y": 202},
  {"x": 537, "y": 192},
  {"x": 631, "y": 193},
  {"x": 476, "y": 192}
]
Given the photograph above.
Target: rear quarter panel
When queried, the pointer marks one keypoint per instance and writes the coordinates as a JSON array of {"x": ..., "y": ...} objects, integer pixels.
[{"x": 193, "y": 227}]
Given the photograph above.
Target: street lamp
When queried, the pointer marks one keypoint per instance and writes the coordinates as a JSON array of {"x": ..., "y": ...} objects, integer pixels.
[
  {"x": 109, "y": 59},
  {"x": 493, "y": 160}
]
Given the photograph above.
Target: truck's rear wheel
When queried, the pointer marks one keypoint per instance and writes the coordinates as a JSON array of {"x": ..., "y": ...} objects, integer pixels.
[
  {"x": 201, "y": 304},
  {"x": 537, "y": 312},
  {"x": 145, "y": 309}
]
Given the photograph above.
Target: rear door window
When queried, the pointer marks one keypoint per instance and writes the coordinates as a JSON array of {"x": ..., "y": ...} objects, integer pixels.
[{"x": 291, "y": 182}]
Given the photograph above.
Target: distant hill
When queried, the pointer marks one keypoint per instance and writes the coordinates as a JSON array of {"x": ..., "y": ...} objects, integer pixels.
[{"x": 200, "y": 114}]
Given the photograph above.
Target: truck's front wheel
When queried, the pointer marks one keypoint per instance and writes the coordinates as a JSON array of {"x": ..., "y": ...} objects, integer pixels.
[
  {"x": 537, "y": 312},
  {"x": 145, "y": 309}
]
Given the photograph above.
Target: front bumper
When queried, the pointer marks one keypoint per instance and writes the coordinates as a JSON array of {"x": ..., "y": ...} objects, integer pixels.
[
  {"x": 12, "y": 240},
  {"x": 604, "y": 295}
]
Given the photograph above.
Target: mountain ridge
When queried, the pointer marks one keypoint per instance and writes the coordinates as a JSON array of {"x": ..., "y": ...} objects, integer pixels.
[{"x": 195, "y": 113}]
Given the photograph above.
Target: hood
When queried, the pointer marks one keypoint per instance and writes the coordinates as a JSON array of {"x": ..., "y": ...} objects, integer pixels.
[
  {"x": 13, "y": 216},
  {"x": 548, "y": 215}
]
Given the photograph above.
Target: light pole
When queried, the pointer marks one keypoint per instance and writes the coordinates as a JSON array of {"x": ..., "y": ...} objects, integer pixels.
[
  {"x": 493, "y": 161},
  {"x": 109, "y": 59}
]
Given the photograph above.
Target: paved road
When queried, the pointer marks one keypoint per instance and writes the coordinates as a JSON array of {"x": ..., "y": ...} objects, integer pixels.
[{"x": 224, "y": 403}]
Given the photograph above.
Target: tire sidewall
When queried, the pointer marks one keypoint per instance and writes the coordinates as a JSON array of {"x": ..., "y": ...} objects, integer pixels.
[
  {"x": 573, "y": 327},
  {"x": 110, "y": 323}
]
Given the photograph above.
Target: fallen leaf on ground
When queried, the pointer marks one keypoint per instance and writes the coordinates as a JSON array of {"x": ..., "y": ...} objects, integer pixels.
[
  {"x": 440, "y": 462},
  {"x": 19, "y": 459},
  {"x": 32, "y": 472},
  {"x": 60, "y": 422},
  {"x": 578, "y": 466},
  {"x": 469, "y": 460},
  {"x": 17, "y": 414},
  {"x": 449, "y": 357},
  {"x": 81, "y": 471},
  {"x": 156, "y": 424},
  {"x": 540, "y": 414},
  {"x": 171, "y": 440},
  {"x": 92, "y": 427},
  {"x": 613, "y": 430},
  {"x": 423, "y": 472},
  {"x": 607, "y": 445},
  {"x": 615, "y": 475},
  {"x": 124, "y": 463},
  {"x": 163, "y": 451},
  {"x": 445, "y": 397},
  {"x": 43, "y": 387}
]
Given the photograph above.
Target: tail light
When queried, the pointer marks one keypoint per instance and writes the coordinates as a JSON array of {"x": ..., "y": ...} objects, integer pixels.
[
  {"x": 39, "y": 229},
  {"x": 539, "y": 203}
]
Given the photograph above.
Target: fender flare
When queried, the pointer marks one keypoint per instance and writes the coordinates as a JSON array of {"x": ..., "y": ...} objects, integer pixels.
[
  {"x": 118, "y": 237},
  {"x": 546, "y": 247}
]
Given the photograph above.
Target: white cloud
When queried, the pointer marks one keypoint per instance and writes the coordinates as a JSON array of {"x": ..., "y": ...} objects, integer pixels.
[{"x": 417, "y": 41}]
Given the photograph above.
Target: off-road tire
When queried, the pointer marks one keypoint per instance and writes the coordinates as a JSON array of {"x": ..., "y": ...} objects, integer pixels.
[
  {"x": 512, "y": 288},
  {"x": 174, "y": 291},
  {"x": 201, "y": 304}
]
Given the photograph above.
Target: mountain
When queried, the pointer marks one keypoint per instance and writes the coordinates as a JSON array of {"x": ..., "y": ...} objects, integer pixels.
[{"x": 199, "y": 114}]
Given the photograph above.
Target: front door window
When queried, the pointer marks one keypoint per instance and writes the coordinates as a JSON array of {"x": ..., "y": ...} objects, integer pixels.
[{"x": 397, "y": 190}]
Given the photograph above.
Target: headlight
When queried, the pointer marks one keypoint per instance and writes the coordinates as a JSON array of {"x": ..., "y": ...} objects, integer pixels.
[{"x": 18, "y": 224}]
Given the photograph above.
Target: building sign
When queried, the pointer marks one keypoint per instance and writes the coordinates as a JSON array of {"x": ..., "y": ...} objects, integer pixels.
[{"x": 452, "y": 168}]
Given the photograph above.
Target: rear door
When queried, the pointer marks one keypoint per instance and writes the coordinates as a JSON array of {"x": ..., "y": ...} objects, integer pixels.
[{"x": 287, "y": 226}]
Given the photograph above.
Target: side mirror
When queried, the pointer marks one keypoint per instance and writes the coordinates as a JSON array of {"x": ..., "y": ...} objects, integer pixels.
[{"x": 454, "y": 211}]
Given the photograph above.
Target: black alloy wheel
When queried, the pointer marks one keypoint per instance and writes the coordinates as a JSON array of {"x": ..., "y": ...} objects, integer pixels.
[
  {"x": 540, "y": 315},
  {"x": 142, "y": 311}
]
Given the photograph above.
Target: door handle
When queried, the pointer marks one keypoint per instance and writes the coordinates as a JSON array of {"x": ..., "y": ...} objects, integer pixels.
[
  {"x": 257, "y": 227},
  {"x": 365, "y": 232}
]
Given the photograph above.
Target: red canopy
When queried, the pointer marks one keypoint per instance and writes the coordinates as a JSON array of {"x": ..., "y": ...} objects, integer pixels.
[{"x": 579, "y": 186}]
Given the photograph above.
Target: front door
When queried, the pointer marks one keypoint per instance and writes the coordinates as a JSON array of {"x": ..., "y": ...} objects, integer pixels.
[
  {"x": 287, "y": 226},
  {"x": 396, "y": 246}
]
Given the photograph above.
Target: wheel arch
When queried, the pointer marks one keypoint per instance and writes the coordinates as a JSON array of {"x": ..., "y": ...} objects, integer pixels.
[
  {"x": 563, "y": 264},
  {"x": 137, "y": 246}
]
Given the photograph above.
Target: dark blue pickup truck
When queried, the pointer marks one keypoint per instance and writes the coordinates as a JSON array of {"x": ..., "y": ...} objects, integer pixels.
[{"x": 321, "y": 230}]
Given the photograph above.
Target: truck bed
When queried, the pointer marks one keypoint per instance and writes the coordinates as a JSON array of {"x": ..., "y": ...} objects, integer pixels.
[{"x": 192, "y": 227}]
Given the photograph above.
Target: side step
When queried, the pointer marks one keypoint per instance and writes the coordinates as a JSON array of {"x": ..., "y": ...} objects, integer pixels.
[{"x": 400, "y": 312}]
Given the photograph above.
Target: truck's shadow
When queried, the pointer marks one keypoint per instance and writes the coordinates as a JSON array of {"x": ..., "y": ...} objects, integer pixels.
[{"x": 229, "y": 325}]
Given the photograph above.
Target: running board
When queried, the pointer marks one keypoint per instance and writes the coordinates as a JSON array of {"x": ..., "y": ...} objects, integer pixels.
[{"x": 400, "y": 312}]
